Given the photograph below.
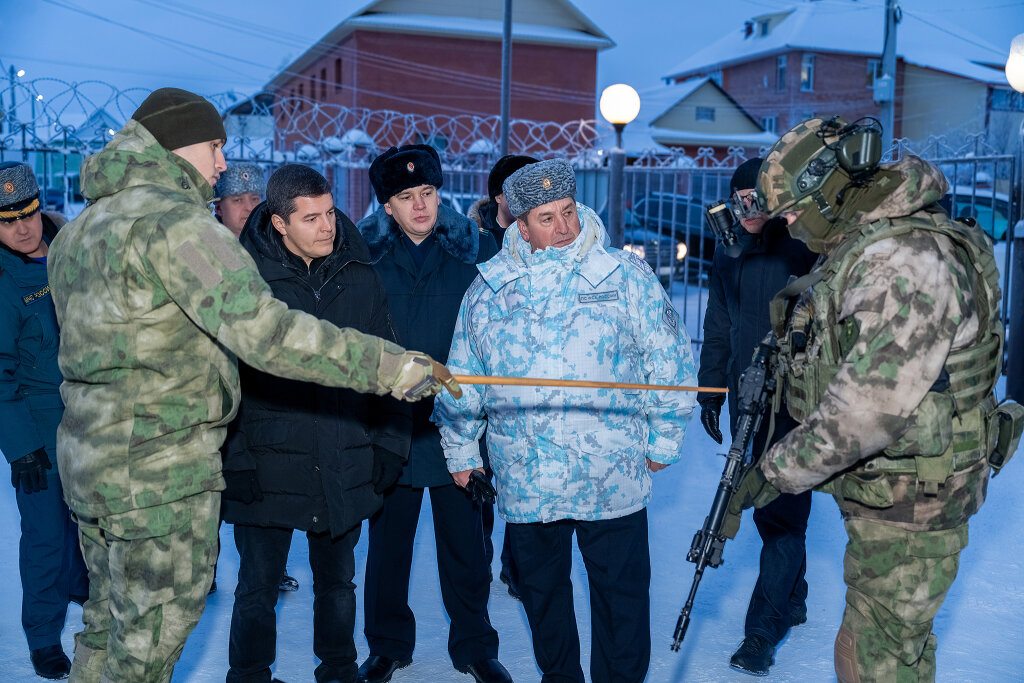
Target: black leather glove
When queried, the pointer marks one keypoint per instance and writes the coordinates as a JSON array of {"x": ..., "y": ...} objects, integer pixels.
[
  {"x": 387, "y": 468},
  {"x": 242, "y": 485},
  {"x": 710, "y": 411},
  {"x": 30, "y": 471},
  {"x": 479, "y": 489}
]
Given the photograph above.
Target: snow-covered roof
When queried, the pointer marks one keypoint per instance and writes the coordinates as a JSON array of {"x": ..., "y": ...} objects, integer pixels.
[
  {"x": 640, "y": 136},
  {"x": 848, "y": 26},
  {"x": 553, "y": 22}
]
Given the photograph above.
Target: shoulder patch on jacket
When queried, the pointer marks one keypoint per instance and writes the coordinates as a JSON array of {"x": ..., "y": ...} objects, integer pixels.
[
  {"x": 198, "y": 265},
  {"x": 638, "y": 262},
  {"x": 670, "y": 317}
]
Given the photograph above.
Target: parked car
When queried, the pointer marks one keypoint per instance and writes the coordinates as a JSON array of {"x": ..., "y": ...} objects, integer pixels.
[
  {"x": 664, "y": 254},
  {"x": 681, "y": 219},
  {"x": 990, "y": 209}
]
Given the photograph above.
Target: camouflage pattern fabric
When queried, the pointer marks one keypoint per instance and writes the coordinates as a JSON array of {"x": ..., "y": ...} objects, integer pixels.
[
  {"x": 908, "y": 303},
  {"x": 576, "y": 312},
  {"x": 897, "y": 580},
  {"x": 150, "y": 571},
  {"x": 910, "y": 299},
  {"x": 155, "y": 299}
]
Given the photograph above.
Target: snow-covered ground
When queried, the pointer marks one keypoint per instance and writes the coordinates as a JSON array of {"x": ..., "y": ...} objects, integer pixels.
[{"x": 980, "y": 628}]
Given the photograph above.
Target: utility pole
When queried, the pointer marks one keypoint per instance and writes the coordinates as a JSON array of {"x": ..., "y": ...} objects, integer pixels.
[
  {"x": 506, "y": 75},
  {"x": 885, "y": 87}
]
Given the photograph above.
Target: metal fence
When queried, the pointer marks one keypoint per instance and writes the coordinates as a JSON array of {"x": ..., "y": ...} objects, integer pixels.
[{"x": 54, "y": 125}]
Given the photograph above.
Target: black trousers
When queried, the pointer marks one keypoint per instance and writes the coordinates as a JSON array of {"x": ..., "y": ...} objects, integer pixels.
[
  {"x": 780, "y": 594},
  {"x": 390, "y": 624},
  {"x": 263, "y": 552},
  {"x": 618, "y": 562},
  {"x": 508, "y": 563}
]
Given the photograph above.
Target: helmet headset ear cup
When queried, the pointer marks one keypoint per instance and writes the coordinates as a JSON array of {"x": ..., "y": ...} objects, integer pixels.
[{"x": 858, "y": 147}]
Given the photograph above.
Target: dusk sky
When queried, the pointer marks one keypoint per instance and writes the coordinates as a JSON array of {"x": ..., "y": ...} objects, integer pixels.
[{"x": 238, "y": 45}]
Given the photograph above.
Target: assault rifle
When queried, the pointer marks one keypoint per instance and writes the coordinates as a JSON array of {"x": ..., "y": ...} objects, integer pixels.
[{"x": 754, "y": 399}]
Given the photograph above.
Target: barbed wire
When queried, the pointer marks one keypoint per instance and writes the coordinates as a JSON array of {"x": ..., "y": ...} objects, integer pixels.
[{"x": 51, "y": 114}]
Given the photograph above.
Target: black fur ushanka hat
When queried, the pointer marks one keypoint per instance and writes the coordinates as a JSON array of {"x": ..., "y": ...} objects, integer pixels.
[{"x": 403, "y": 167}]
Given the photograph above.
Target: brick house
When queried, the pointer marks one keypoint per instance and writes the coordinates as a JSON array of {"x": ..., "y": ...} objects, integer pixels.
[
  {"x": 431, "y": 58},
  {"x": 822, "y": 58}
]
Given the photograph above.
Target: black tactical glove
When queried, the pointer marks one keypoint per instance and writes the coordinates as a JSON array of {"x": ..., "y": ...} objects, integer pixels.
[
  {"x": 387, "y": 468},
  {"x": 31, "y": 471},
  {"x": 710, "y": 411},
  {"x": 479, "y": 489},
  {"x": 242, "y": 485}
]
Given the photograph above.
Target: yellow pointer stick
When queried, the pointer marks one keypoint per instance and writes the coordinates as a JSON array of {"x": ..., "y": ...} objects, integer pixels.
[{"x": 535, "y": 382}]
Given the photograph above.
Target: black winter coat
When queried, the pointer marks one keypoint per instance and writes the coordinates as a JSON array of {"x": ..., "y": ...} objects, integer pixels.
[
  {"x": 424, "y": 305},
  {"x": 737, "y": 316},
  {"x": 311, "y": 446}
]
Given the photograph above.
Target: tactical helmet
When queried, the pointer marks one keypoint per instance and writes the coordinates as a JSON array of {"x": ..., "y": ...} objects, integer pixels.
[{"x": 808, "y": 169}]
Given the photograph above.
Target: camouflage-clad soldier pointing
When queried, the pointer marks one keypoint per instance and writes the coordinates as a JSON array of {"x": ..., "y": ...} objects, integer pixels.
[
  {"x": 155, "y": 300},
  {"x": 890, "y": 354}
]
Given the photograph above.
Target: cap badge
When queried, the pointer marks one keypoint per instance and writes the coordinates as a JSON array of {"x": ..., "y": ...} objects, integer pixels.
[
  {"x": 411, "y": 166},
  {"x": 546, "y": 183},
  {"x": 9, "y": 187},
  {"x": 245, "y": 175}
]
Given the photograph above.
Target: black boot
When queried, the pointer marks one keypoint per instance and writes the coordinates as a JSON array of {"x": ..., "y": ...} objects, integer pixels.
[
  {"x": 288, "y": 584},
  {"x": 754, "y": 656},
  {"x": 487, "y": 671},
  {"x": 51, "y": 662},
  {"x": 506, "y": 579},
  {"x": 378, "y": 669}
]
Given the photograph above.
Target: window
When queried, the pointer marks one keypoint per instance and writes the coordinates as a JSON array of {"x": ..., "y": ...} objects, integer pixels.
[
  {"x": 312, "y": 87},
  {"x": 769, "y": 123},
  {"x": 780, "y": 73},
  {"x": 1006, "y": 100},
  {"x": 874, "y": 71},
  {"x": 705, "y": 113},
  {"x": 302, "y": 95},
  {"x": 763, "y": 25},
  {"x": 337, "y": 74},
  {"x": 323, "y": 84},
  {"x": 807, "y": 73}
]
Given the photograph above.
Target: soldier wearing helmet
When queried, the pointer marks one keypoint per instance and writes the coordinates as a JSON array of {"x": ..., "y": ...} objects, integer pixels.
[{"x": 890, "y": 351}]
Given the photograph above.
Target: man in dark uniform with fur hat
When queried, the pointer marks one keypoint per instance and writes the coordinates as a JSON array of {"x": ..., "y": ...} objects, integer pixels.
[{"x": 426, "y": 256}]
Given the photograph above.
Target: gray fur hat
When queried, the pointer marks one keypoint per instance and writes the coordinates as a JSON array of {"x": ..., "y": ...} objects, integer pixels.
[
  {"x": 239, "y": 179},
  {"x": 538, "y": 184},
  {"x": 19, "y": 192}
]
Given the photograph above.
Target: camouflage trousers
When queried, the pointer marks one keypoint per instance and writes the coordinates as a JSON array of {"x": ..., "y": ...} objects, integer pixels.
[
  {"x": 896, "y": 581},
  {"x": 149, "y": 573}
]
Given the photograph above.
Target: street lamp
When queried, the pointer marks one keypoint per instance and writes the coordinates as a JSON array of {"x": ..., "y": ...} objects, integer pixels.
[
  {"x": 1015, "y": 64},
  {"x": 619, "y": 105},
  {"x": 1015, "y": 352}
]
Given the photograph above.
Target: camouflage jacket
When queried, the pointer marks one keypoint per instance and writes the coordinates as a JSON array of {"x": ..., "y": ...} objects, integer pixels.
[
  {"x": 576, "y": 312},
  {"x": 156, "y": 299},
  {"x": 910, "y": 300}
]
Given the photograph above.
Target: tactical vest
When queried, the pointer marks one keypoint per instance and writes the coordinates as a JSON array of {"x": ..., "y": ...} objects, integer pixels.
[{"x": 949, "y": 430}]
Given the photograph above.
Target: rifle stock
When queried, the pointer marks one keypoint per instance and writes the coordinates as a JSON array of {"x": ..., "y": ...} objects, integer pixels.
[{"x": 757, "y": 386}]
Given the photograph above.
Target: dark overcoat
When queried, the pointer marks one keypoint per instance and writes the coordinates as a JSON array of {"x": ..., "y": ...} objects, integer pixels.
[{"x": 424, "y": 305}]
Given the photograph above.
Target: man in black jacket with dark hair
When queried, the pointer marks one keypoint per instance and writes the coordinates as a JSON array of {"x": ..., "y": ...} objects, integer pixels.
[
  {"x": 737, "y": 318},
  {"x": 307, "y": 456}
]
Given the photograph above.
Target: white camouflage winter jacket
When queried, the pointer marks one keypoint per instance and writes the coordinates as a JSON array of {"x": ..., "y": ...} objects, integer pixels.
[{"x": 579, "y": 312}]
